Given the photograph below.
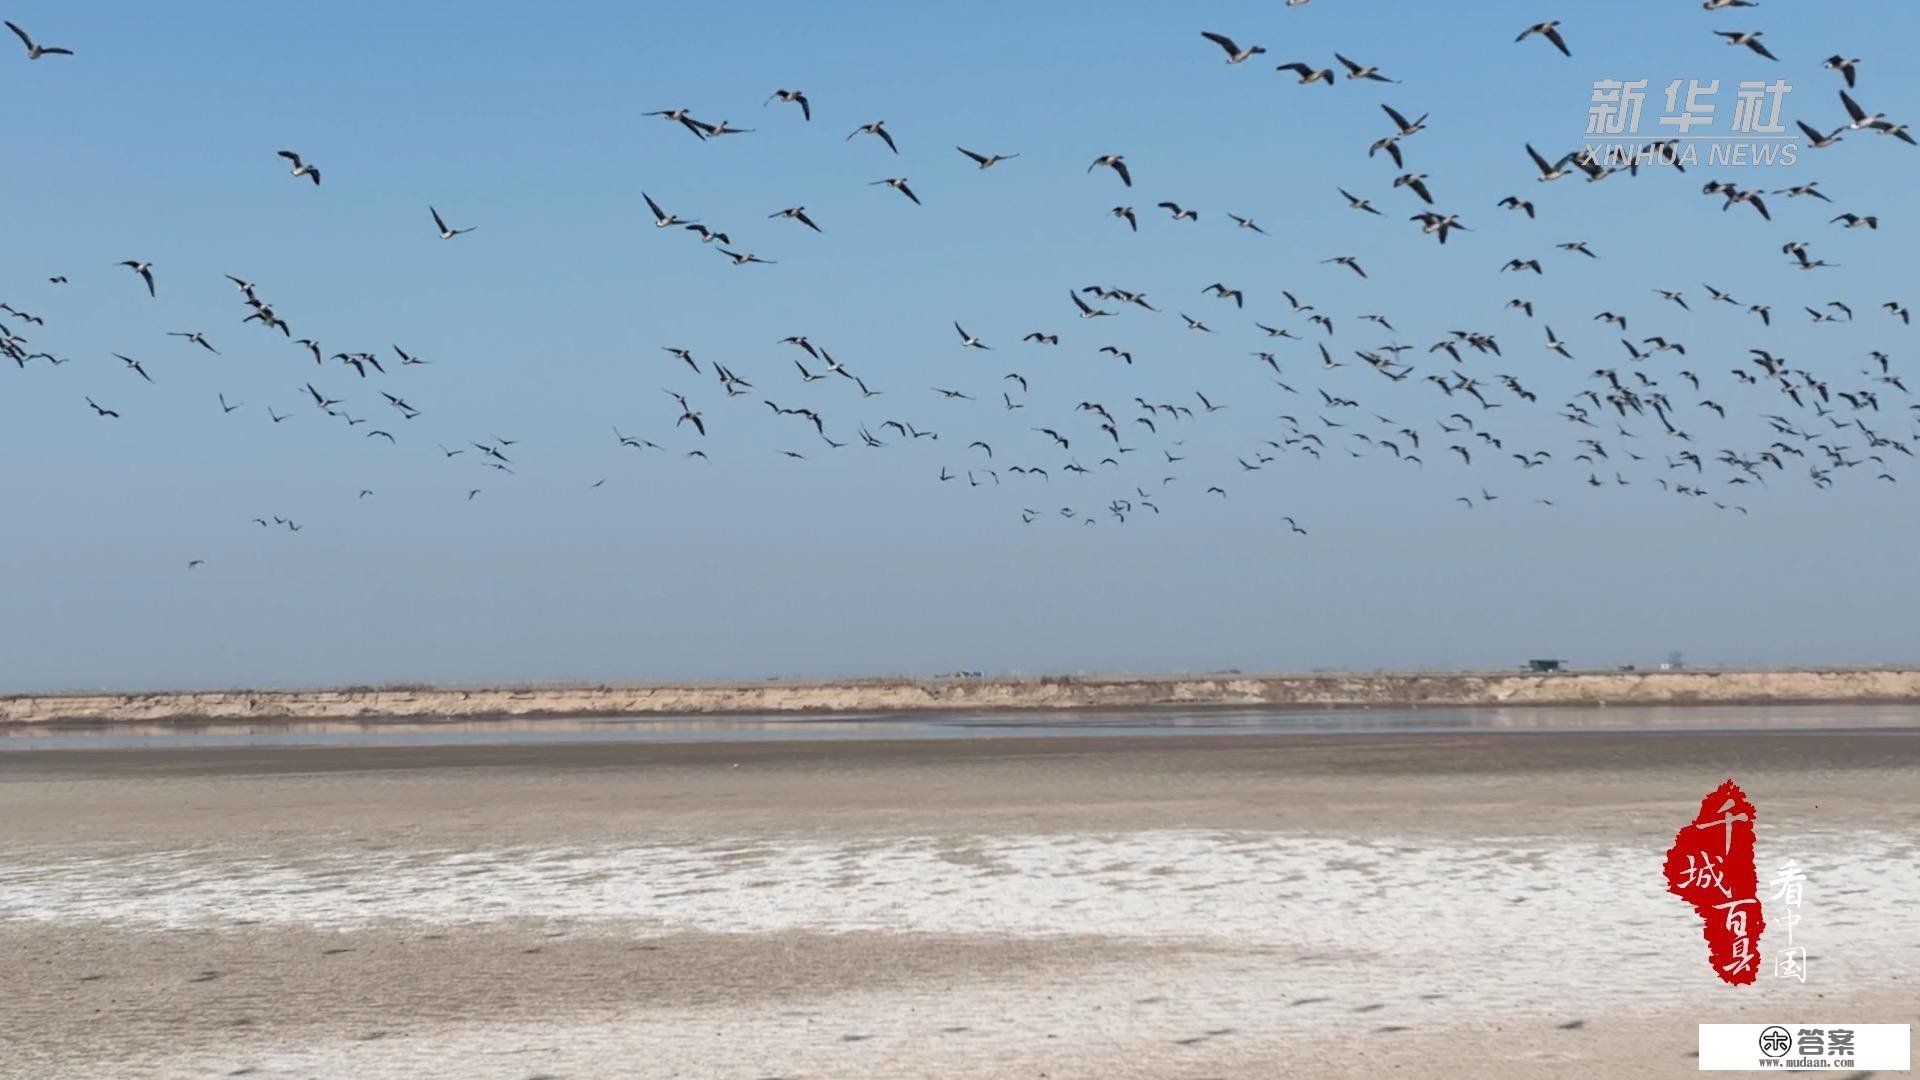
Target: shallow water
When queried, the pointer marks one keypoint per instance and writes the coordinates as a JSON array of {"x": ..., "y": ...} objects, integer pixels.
[{"x": 748, "y": 728}]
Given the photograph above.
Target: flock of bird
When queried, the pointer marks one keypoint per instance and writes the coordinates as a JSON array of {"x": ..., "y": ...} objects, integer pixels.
[{"x": 1652, "y": 411}]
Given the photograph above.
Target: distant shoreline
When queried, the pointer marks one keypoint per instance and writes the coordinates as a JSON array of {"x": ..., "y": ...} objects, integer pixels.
[{"x": 991, "y": 694}]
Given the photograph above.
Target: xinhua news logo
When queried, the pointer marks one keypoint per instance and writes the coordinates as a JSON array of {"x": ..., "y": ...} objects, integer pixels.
[
  {"x": 1691, "y": 128},
  {"x": 1803, "y": 1046}
]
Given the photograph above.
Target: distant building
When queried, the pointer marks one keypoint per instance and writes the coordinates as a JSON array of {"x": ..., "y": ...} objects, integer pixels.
[
  {"x": 1545, "y": 665},
  {"x": 1673, "y": 662}
]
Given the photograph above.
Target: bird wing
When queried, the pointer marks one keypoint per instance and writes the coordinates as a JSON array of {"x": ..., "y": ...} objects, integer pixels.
[
  {"x": 442, "y": 222},
  {"x": 21, "y": 34},
  {"x": 1221, "y": 40},
  {"x": 971, "y": 154}
]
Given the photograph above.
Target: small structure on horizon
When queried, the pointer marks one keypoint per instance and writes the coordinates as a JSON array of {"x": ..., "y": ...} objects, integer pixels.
[{"x": 1546, "y": 665}]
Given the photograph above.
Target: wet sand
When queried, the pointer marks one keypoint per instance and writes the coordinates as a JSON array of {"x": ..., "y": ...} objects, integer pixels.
[{"x": 1171, "y": 906}]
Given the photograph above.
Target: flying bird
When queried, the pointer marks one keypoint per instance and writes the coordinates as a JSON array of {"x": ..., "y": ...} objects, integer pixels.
[
  {"x": 986, "y": 161},
  {"x": 1085, "y": 311},
  {"x": 879, "y": 128},
  {"x": 1549, "y": 30},
  {"x": 1749, "y": 38},
  {"x": 1359, "y": 71},
  {"x": 144, "y": 269},
  {"x": 35, "y": 52},
  {"x": 1515, "y": 202},
  {"x": 1547, "y": 172},
  {"x": 301, "y": 168},
  {"x": 1357, "y": 203},
  {"x": 797, "y": 97},
  {"x": 1115, "y": 162},
  {"x": 796, "y": 213},
  {"x": 661, "y": 219},
  {"x": 1235, "y": 54},
  {"x": 968, "y": 341},
  {"x": 699, "y": 129},
  {"x": 194, "y": 338},
  {"x": 1815, "y": 139},
  {"x": 448, "y": 234},
  {"x": 899, "y": 184},
  {"x": 1308, "y": 75},
  {"x": 133, "y": 366}
]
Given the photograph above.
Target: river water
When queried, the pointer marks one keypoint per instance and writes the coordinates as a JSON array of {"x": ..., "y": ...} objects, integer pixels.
[{"x": 933, "y": 725}]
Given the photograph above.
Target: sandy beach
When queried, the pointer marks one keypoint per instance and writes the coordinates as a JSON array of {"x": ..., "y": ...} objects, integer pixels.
[
  {"x": 1217, "y": 906},
  {"x": 1349, "y": 690}
]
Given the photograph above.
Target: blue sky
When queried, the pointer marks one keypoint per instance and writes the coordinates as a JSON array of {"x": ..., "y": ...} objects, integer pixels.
[{"x": 544, "y": 326}]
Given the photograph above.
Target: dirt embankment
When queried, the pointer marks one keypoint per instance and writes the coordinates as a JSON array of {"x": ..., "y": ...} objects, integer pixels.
[{"x": 899, "y": 695}]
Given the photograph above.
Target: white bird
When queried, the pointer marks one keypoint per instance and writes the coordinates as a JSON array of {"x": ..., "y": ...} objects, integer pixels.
[
  {"x": 878, "y": 127},
  {"x": 798, "y": 97},
  {"x": 1547, "y": 172},
  {"x": 1749, "y": 38},
  {"x": 661, "y": 219},
  {"x": 968, "y": 341},
  {"x": 1115, "y": 162},
  {"x": 144, "y": 269},
  {"x": 35, "y": 52},
  {"x": 1361, "y": 71},
  {"x": 448, "y": 234},
  {"x": 899, "y": 184},
  {"x": 301, "y": 168},
  {"x": 1860, "y": 120}
]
